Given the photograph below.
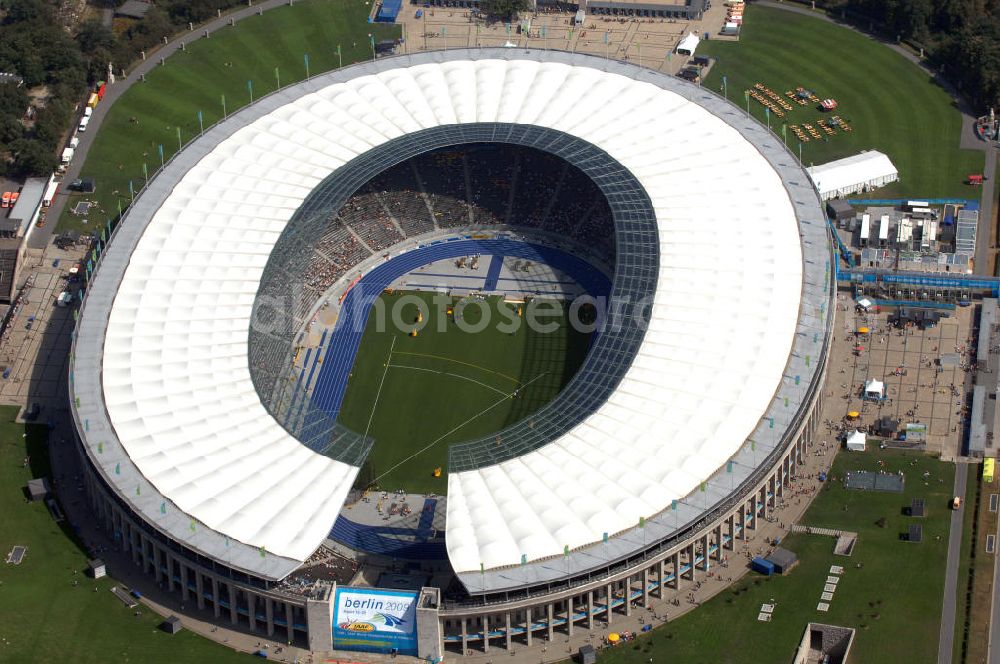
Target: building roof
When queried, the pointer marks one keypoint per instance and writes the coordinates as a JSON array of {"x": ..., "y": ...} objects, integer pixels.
[
  {"x": 28, "y": 202},
  {"x": 849, "y": 171},
  {"x": 171, "y": 338}
]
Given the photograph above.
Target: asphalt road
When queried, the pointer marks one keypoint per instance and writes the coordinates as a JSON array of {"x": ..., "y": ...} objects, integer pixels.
[
  {"x": 946, "y": 642},
  {"x": 985, "y": 232},
  {"x": 40, "y": 237}
]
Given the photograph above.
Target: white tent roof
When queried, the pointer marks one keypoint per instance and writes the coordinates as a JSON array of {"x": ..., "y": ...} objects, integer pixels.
[
  {"x": 850, "y": 171},
  {"x": 856, "y": 440},
  {"x": 177, "y": 386},
  {"x": 688, "y": 43},
  {"x": 873, "y": 386}
]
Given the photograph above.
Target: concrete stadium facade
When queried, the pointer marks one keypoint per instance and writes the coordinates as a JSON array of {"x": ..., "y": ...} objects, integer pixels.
[{"x": 506, "y": 607}]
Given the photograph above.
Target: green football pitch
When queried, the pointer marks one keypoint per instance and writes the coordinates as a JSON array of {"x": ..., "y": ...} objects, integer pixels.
[{"x": 415, "y": 395}]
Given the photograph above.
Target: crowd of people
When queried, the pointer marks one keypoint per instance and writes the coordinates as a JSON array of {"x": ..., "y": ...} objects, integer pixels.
[
  {"x": 367, "y": 217},
  {"x": 480, "y": 186},
  {"x": 324, "y": 565}
]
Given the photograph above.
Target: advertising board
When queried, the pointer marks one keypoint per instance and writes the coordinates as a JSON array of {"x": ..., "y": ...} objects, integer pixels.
[{"x": 375, "y": 620}]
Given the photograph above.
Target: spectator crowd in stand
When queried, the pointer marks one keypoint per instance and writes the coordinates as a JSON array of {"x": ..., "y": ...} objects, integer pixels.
[{"x": 482, "y": 185}]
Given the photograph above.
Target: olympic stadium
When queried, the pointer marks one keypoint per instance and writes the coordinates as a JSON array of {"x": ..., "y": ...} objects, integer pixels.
[{"x": 215, "y": 451}]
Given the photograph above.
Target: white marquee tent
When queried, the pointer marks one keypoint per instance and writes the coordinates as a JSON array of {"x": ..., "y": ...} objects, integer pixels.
[
  {"x": 874, "y": 389},
  {"x": 856, "y": 441},
  {"x": 688, "y": 45},
  {"x": 852, "y": 175}
]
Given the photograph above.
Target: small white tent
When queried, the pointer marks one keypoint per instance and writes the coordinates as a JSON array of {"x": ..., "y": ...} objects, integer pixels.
[
  {"x": 874, "y": 390},
  {"x": 688, "y": 44},
  {"x": 851, "y": 175},
  {"x": 856, "y": 441}
]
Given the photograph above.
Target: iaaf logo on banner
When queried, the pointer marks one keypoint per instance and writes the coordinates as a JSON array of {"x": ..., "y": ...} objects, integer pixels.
[{"x": 374, "y": 611}]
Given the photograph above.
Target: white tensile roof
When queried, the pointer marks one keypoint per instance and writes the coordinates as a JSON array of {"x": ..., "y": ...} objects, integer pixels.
[
  {"x": 689, "y": 43},
  {"x": 178, "y": 389},
  {"x": 873, "y": 386},
  {"x": 871, "y": 166},
  {"x": 856, "y": 440}
]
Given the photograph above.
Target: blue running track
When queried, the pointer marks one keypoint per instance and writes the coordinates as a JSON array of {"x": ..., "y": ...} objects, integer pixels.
[
  {"x": 343, "y": 342},
  {"x": 493, "y": 275}
]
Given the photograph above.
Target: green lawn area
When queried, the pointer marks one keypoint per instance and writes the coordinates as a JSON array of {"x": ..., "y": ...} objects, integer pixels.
[
  {"x": 43, "y": 616},
  {"x": 891, "y": 104},
  {"x": 447, "y": 384},
  {"x": 196, "y": 80},
  {"x": 894, "y": 600}
]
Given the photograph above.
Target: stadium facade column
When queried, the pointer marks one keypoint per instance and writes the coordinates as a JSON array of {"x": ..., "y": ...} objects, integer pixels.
[
  {"x": 486, "y": 633},
  {"x": 136, "y": 546},
  {"x": 269, "y": 612},
  {"x": 465, "y": 639},
  {"x": 549, "y": 621},
  {"x": 251, "y": 609},
  {"x": 661, "y": 578},
  {"x": 144, "y": 551},
  {"x": 290, "y": 623},
  {"x": 609, "y": 611},
  {"x": 719, "y": 542},
  {"x": 590, "y": 609},
  {"x": 319, "y": 621},
  {"x": 506, "y": 631},
  {"x": 234, "y": 596},
  {"x": 216, "y": 609},
  {"x": 157, "y": 562},
  {"x": 185, "y": 592},
  {"x": 645, "y": 588},
  {"x": 168, "y": 560},
  {"x": 675, "y": 560},
  {"x": 527, "y": 626},
  {"x": 627, "y": 594},
  {"x": 569, "y": 616}
]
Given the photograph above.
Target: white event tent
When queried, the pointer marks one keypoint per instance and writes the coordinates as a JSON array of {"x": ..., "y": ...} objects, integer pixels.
[{"x": 851, "y": 175}]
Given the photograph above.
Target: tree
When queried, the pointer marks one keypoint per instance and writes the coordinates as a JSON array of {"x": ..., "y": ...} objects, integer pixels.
[
  {"x": 32, "y": 158},
  {"x": 506, "y": 10}
]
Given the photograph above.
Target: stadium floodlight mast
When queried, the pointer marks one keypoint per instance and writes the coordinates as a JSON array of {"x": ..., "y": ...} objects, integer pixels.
[
  {"x": 201, "y": 123},
  {"x": 305, "y": 60},
  {"x": 224, "y": 114},
  {"x": 340, "y": 58},
  {"x": 371, "y": 39},
  {"x": 277, "y": 78},
  {"x": 250, "y": 88}
]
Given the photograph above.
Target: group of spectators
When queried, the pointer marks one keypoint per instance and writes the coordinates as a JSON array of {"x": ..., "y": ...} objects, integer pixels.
[
  {"x": 323, "y": 566},
  {"x": 367, "y": 217},
  {"x": 483, "y": 185}
]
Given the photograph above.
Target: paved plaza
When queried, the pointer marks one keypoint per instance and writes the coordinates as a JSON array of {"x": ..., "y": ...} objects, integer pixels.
[
  {"x": 646, "y": 41},
  {"x": 926, "y": 372}
]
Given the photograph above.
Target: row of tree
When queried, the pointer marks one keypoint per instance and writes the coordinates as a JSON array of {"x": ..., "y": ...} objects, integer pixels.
[
  {"x": 960, "y": 37},
  {"x": 60, "y": 65}
]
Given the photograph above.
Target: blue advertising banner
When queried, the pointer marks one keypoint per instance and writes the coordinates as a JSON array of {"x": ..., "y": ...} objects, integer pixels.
[{"x": 373, "y": 620}]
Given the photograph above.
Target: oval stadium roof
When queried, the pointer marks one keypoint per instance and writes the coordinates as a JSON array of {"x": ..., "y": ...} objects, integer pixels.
[{"x": 177, "y": 422}]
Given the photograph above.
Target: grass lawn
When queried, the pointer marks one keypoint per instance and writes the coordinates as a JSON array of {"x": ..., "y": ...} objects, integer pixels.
[
  {"x": 197, "y": 79},
  {"x": 454, "y": 383},
  {"x": 894, "y": 600},
  {"x": 43, "y": 617},
  {"x": 891, "y": 104}
]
